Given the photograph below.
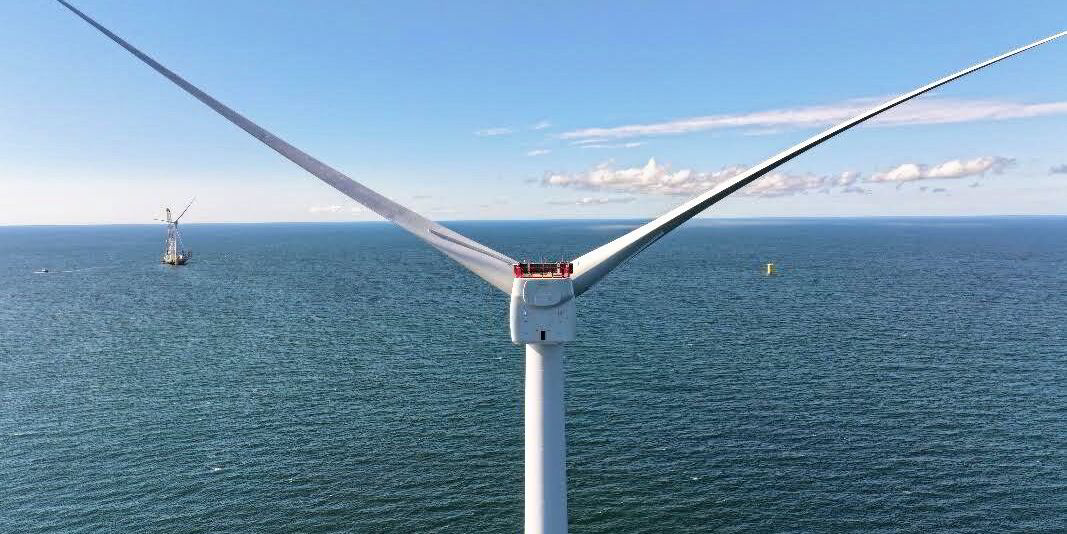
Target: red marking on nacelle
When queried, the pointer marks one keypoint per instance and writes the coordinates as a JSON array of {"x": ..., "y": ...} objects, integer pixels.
[{"x": 544, "y": 270}]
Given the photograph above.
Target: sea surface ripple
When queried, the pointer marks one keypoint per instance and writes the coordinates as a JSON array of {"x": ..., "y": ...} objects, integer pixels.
[{"x": 898, "y": 375}]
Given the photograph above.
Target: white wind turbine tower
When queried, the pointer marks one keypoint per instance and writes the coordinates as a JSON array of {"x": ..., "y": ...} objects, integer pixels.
[{"x": 542, "y": 295}]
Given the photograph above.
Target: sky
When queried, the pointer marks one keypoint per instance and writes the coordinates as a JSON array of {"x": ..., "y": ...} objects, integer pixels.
[{"x": 466, "y": 111}]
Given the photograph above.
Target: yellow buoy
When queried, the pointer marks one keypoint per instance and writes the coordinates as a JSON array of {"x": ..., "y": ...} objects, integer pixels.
[{"x": 770, "y": 270}]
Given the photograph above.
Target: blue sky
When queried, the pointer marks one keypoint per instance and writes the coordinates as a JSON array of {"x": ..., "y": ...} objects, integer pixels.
[{"x": 522, "y": 111}]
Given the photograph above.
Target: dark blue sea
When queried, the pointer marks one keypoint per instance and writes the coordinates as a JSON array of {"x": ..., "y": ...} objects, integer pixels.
[{"x": 898, "y": 375}]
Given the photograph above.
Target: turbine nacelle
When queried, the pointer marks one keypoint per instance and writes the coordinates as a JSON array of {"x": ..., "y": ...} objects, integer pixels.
[{"x": 542, "y": 303}]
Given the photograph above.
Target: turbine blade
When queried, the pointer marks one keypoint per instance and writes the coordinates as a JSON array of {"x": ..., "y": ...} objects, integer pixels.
[
  {"x": 597, "y": 263},
  {"x": 483, "y": 261},
  {"x": 186, "y": 209}
]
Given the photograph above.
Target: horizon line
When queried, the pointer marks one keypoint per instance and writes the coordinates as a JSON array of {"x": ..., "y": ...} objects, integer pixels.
[{"x": 601, "y": 219}]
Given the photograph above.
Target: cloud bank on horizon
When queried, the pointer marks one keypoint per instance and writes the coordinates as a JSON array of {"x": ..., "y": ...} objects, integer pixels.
[
  {"x": 593, "y": 201},
  {"x": 656, "y": 179}
]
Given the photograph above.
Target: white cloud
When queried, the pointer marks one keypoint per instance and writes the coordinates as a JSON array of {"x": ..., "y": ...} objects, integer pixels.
[
  {"x": 632, "y": 144},
  {"x": 926, "y": 111},
  {"x": 956, "y": 168},
  {"x": 653, "y": 178},
  {"x": 1058, "y": 169},
  {"x": 492, "y": 132},
  {"x": 538, "y": 152},
  {"x": 846, "y": 178},
  {"x": 762, "y": 131},
  {"x": 780, "y": 184},
  {"x": 593, "y": 201},
  {"x": 541, "y": 125}
]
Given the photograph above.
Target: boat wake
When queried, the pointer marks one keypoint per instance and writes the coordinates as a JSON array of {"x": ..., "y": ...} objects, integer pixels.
[{"x": 50, "y": 271}]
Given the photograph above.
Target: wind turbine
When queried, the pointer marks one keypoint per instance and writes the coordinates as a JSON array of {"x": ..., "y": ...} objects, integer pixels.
[
  {"x": 172, "y": 247},
  {"x": 542, "y": 295}
]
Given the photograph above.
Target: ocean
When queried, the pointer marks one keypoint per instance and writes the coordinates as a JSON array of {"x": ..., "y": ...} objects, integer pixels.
[{"x": 897, "y": 375}]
